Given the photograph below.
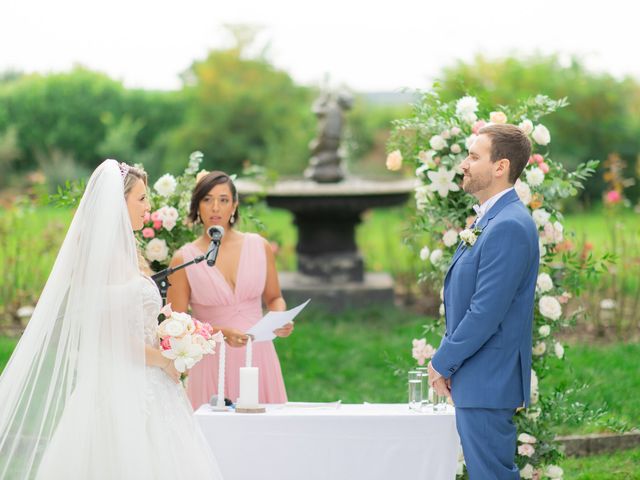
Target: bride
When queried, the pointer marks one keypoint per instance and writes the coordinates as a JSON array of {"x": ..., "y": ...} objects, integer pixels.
[{"x": 86, "y": 393}]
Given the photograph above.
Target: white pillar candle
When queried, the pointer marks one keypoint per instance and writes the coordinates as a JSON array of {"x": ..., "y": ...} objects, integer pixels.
[
  {"x": 249, "y": 351},
  {"x": 248, "y": 387},
  {"x": 221, "y": 365}
]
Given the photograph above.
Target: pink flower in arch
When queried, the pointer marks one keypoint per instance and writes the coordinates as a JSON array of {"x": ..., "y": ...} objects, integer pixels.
[
  {"x": 421, "y": 350},
  {"x": 526, "y": 450},
  {"x": 148, "y": 232},
  {"x": 544, "y": 167},
  {"x": 613, "y": 196},
  {"x": 537, "y": 158},
  {"x": 477, "y": 126}
]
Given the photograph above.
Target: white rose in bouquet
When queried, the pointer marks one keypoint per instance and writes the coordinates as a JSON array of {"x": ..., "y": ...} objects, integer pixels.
[
  {"x": 539, "y": 349},
  {"x": 541, "y": 135},
  {"x": 156, "y": 250},
  {"x": 554, "y": 472},
  {"x": 172, "y": 328},
  {"x": 436, "y": 256},
  {"x": 437, "y": 142},
  {"x": 394, "y": 161},
  {"x": 523, "y": 191},
  {"x": 544, "y": 283},
  {"x": 550, "y": 307},
  {"x": 466, "y": 108},
  {"x": 497, "y": 117},
  {"x": 544, "y": 331},
  {"x": 540, "y": 217},
  {"x": 165, "y": 185},
  {"x": 526, "y": 472},
  {"x": 450, "y": 238},
  {"x": 526, "y": 126},
  {"x": 526, "y": 438},
  {"x": 534, "y": 176}
]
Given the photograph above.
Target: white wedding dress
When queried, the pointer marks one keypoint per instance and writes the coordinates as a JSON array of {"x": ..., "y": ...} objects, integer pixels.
[
  {"x": 77, "y": 400},
  {"x": 173, "y": 443},
  {"x": 178, "y": 447}
]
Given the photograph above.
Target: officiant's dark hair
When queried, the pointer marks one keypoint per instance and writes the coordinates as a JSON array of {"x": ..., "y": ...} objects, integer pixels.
[
  {"x": 204, "y": 186},
  {"x": 510, "y": 142}
]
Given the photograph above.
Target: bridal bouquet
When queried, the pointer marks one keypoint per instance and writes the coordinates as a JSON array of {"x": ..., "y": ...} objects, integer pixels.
[{"x": 184, "y": 339}]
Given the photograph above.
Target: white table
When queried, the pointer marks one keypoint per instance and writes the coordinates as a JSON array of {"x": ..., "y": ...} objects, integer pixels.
[{"x": 352, "y": 442}]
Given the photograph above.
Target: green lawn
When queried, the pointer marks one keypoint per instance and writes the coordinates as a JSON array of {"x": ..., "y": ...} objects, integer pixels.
[
  {"x": 611, "y": 466},
  {"x": 362, "y": 356},
  {"x": 355, "y": 356},
  {"x": 611, "y": 373}
]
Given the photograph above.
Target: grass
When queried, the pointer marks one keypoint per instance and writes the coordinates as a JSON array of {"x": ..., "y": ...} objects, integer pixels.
[
  {"x": 362, "y": 356},
  {"x": 611, "y": 373},
  {"x": 612, "y": 466}
]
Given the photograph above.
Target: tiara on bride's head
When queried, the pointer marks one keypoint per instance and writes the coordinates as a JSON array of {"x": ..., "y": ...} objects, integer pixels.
[{"x": 124, "y": 169}]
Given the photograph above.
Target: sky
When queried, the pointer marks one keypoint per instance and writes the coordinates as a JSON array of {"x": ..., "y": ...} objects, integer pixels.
[{"x": 365, "y": 45}]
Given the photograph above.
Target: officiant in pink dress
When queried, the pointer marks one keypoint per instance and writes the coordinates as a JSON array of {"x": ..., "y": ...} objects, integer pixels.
[{"x": 229, "y": 295}]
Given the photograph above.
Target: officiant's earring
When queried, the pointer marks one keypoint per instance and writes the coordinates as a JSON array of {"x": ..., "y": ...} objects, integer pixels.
[
  {"x": 198, "y": 219},
  {"x": 232, "y": 220}
]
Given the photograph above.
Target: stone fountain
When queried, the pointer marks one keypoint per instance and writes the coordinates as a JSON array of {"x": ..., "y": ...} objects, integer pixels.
[{"x": 327, "y": 206}]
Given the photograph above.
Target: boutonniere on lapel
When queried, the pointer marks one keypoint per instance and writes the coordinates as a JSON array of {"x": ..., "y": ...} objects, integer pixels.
[{"x": 470, "y": 236}]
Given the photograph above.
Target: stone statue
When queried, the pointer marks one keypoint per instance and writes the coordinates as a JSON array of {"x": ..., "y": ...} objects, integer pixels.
[{"x": 325, "y": 162}]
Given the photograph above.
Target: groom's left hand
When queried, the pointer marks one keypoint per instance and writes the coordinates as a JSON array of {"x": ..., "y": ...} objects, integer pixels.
[{"x": 441, "y": 385}]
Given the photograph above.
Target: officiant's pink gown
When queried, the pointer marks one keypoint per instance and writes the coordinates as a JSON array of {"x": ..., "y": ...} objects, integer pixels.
[{"x": 213, "y": 301}]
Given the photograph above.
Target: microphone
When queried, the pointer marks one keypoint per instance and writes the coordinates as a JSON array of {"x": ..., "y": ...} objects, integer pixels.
[{"x": 215, "y": 233}]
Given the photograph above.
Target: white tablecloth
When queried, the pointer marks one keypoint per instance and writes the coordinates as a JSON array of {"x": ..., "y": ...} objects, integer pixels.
[{"x": 352, "y": 442}]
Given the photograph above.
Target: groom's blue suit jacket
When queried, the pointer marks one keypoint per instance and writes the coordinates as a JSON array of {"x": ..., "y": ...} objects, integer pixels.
[{"x": 488, "y": 297}]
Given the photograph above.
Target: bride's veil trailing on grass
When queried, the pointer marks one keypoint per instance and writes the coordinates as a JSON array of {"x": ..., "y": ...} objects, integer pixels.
[{"x": 72, "y": 396}]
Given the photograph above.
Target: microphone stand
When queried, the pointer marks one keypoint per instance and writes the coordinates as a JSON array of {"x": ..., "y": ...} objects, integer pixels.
[{"x": 162, "y": 281}]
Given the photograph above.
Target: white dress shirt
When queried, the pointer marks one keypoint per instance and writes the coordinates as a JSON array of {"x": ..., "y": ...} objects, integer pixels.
[{"x": 481, "y": 210}]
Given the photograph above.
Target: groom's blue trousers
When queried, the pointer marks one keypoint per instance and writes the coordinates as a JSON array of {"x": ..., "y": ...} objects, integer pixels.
[{"x": 488, "y": 439}]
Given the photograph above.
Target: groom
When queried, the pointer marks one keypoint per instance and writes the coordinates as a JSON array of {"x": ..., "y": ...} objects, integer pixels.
[{"x": 484, "y": 359}]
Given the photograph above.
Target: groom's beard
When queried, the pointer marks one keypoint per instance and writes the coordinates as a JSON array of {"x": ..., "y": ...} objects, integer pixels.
[{"x": 476, "y": 183}]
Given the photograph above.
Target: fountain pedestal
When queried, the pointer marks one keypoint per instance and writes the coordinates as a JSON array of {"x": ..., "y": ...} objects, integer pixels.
[{"x": 331, "y": 269}]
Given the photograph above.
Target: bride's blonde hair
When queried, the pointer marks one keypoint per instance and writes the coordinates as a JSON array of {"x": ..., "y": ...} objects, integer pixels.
[{"x": 131, "y": 178}]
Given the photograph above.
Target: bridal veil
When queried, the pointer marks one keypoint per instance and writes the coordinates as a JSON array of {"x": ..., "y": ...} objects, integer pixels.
[{"x": 72, "y": 398}]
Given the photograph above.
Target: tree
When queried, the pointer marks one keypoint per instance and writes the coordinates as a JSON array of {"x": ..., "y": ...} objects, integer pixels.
[
  {"x": 603, "y": 116},
  {"x": 243, "y": 109}
]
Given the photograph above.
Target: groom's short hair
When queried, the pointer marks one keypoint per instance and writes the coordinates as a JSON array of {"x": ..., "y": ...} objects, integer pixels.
[{"x": 510, "y": 142}]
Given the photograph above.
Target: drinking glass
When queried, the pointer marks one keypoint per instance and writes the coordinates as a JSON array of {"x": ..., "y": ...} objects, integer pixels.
[{"x": 415, "y": 390}]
